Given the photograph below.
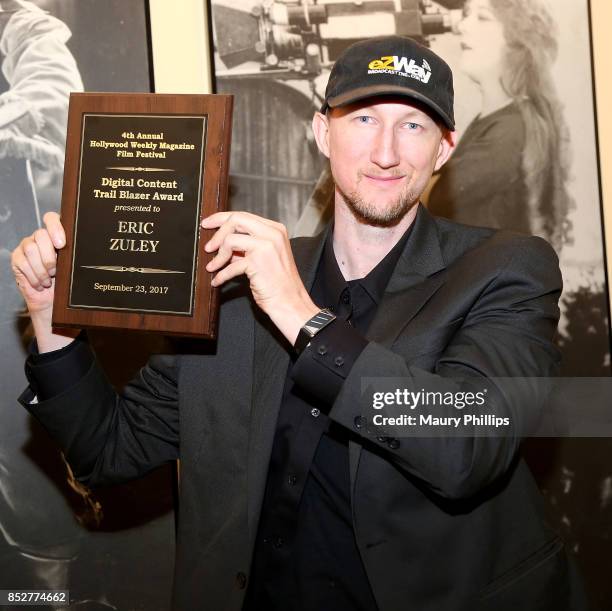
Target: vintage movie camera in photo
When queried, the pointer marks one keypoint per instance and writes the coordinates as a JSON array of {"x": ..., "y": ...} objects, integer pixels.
[{"x": 299, "y": 38}]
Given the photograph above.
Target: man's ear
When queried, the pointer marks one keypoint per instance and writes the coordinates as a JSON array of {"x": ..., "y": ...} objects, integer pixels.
[
  {"x": 320, "y": 129},
  {"x": 447, "y": 145}
]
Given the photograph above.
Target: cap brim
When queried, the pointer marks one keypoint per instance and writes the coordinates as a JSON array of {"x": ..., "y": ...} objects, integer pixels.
[{"x": 362, "y": 93}]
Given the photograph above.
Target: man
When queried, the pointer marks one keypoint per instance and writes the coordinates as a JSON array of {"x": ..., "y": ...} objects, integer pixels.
[{"x": 289, "y": 498}]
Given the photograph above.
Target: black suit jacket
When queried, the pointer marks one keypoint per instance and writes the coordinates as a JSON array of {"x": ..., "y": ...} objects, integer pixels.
[{"x": 442, "y": 524}]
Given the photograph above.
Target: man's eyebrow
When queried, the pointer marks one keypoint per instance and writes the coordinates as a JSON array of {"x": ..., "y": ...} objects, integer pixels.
[
  {"x": 418, "y": 115},
  {"x": 411, "y": 113}
]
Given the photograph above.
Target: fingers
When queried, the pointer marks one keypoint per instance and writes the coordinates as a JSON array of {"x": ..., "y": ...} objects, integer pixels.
[
  {"x": 35, "y": 258},
  {"x": 24, "y": 273},
  {"x": 248, "y": 244},
  {"x": 55, "y": 229},
  {"x": 35, "y": 263},
  {"x": 241, "y": 222},
  {"x": 218, "y": 218},
  {"x": 235, "y": 242},
  {"x": 47, "y": 250},
  {"x": 23, "y": 270},
  {"x": 234, "y": 269}
]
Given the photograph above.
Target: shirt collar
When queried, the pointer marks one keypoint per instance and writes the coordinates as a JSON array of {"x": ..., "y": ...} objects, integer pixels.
[{"x": 376, "y": 280}]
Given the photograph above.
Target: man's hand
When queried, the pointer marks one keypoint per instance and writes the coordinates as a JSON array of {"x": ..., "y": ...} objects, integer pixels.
[
  {"x": 259, "y": 248},
  {"x": 34, "y": 262},
  {"x": 34, "y": 265}
]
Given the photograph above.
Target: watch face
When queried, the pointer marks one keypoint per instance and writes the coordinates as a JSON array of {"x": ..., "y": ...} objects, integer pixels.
[
  {"x": 312, "y": 327},
  {"x": 320, "y": 320}
]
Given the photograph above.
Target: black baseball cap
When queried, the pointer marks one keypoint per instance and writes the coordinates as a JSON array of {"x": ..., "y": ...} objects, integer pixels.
[{"x": 392, "y": 65}]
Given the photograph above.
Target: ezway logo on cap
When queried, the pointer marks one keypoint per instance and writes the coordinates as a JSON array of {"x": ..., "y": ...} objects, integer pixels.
[{"x": 393, "y": 64}]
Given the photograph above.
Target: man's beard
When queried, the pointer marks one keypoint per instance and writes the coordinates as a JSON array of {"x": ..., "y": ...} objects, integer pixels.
[{"x": 368, "y": 214}]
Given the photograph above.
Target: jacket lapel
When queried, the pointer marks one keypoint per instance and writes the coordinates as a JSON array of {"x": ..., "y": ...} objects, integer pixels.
[
  {"x": 271, "y": 360},
  {"x": 414, "y": 281}
]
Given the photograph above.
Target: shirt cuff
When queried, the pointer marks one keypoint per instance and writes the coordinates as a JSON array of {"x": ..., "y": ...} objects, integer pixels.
[
  {"x": 51, "y": 373},
  {"x": 324, "y": 365}
]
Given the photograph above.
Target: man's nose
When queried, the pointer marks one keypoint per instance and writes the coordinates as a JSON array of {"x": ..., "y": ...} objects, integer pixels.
[{"x": 385, "y": 152}]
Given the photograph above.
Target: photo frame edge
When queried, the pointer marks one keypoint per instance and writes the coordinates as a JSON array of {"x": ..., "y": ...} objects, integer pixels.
[{"x": 601, "y": 14}]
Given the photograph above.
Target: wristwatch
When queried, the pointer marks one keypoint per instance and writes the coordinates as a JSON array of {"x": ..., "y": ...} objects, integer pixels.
[{"x": 318, "y": 322}]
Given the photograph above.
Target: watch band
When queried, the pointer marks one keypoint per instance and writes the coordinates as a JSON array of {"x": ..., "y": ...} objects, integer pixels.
[{"x": 317, "y": 323}]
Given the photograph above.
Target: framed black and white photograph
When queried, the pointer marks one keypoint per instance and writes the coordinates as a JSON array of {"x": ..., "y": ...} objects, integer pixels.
[
  {"x": 532, "y": 93},
  {"x": 527, "y": 160}
]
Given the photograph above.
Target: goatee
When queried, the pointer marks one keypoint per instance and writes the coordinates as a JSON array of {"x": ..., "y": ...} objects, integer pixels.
[{"x": 368, "y": 214}]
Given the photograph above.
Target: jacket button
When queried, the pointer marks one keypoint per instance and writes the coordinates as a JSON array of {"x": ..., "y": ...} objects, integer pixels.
[
  {"x": 322, "y": 350},
  {"x": 339, "y": 361},
  {"x": 359, "y": 422},
  {"x": 382, "y": 439},
  {"x": 279, "y": 542},
  {"x": 393, "y": 443},
  {"x": 241, "y": 580},
  {"x": 292, "y": 480},
  {"x": 315, "y": 412}
]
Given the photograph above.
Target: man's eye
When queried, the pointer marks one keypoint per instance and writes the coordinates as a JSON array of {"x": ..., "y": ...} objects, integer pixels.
[
  {"x": 412, "y": 126},
  {"x": 364, "y": 119}
]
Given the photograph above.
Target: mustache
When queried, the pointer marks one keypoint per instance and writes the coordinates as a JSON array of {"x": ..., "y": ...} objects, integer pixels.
[{"x": 378, "y": 174}]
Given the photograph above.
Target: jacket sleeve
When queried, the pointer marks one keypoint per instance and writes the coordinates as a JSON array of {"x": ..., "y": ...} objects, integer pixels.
[
  {"x": 107, "y": 437},
  {"x": 507, "y": 333}
]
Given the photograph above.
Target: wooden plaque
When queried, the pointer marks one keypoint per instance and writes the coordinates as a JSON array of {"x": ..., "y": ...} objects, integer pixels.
[{"x": 141, "y": 172}]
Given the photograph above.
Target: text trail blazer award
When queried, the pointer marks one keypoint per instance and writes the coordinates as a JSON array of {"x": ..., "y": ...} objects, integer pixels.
[{"x": 141, "y": 172}]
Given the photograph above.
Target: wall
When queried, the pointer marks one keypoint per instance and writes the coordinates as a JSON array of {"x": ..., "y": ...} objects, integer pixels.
[
  {"x": 180, "y": 46},
  {"x": 601, "y": 15}
]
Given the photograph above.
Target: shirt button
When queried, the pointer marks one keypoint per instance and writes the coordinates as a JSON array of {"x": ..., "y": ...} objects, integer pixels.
[
  {"x": 339, "y": 361},
  {"x": 322, "y": 350},
  {"x": 279, "y": 542},
  {"x": 315, "y": 412},
  {"x": 292, "y": 480},
  {"x": 346, "y": 297},
  {"x": 359, "y": 422},
  {"x": 394, "y": 444},
  {"x": 241, "y": 580}
]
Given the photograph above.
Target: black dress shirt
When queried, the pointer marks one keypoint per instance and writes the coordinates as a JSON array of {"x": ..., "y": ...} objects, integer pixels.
[{"x": 306, "y": 557}]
